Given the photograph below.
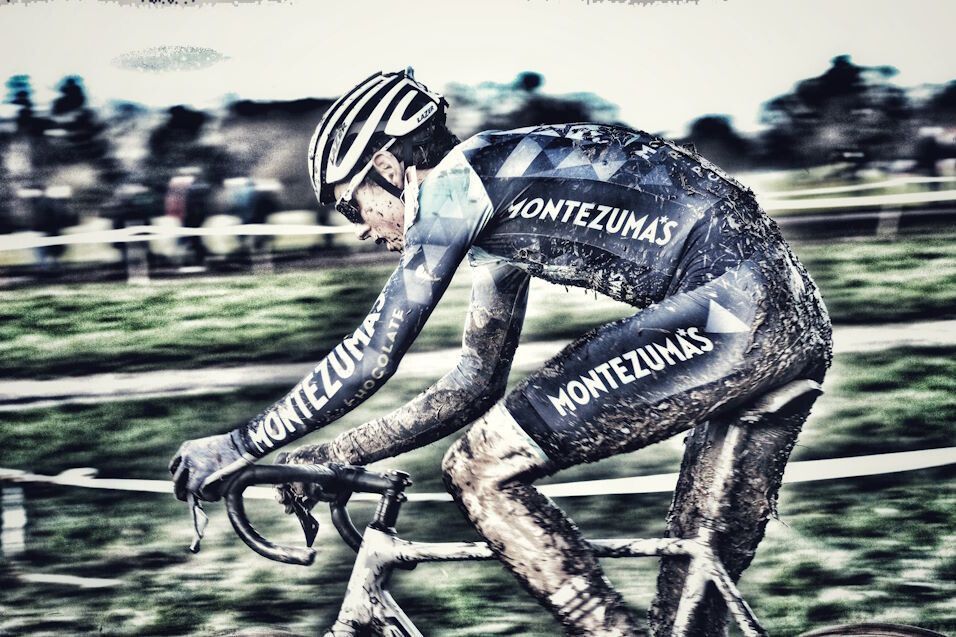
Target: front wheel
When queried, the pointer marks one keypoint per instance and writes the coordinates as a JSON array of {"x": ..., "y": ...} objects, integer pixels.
[{"x": 874, "y": 629}]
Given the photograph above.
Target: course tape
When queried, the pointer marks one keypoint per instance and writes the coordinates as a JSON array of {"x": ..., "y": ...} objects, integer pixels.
[
  {"x": 830, "y": 190},
  {"x": 135, "y": 234},
  {"x": 831, "y": 203},
  {"x": 802, "y": 471}
]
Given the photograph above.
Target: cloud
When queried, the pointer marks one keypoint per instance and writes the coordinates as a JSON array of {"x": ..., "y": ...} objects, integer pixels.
[{"x": 169, "y": 58}]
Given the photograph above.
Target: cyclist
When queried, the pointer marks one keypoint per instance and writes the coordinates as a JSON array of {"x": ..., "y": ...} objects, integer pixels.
[{"x": 726, "y": 313}]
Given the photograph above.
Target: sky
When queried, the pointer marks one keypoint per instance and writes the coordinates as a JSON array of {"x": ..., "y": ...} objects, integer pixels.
[{"x": 662, "y": 63}]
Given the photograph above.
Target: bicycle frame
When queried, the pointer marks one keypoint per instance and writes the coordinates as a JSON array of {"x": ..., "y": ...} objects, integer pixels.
[{"x": 369, "y": 605}]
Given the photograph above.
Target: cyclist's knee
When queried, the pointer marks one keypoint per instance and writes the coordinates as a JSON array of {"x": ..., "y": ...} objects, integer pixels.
[{"x": 494, "y": 452}]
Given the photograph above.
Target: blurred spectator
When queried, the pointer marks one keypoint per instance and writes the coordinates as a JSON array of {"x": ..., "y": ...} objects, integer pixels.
[
  {"x": 252, "y": 201},
  {"x": 927, "y": 155},
  {"x": 935, "y": 147},
  {"x": 50, "y": 213},
  {"x": 239, "y": 198},
  {"x": 132, "y": 204},
  {"x": 187, "y": 199}
]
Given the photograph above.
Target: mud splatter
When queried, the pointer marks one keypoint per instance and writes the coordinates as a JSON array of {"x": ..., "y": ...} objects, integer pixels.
[
  {"x": 492, "y": 329},
  {"x": 488, "y": 472}
]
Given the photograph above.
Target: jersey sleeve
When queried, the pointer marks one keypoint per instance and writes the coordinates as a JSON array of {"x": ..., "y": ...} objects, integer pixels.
[
  {"x": 453, "y": 207},
  {"x": 499, "y": 296}
]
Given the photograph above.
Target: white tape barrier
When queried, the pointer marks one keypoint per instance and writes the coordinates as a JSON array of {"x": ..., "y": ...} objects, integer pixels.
[
  {"x": 804, "y": 471},
  {"x": 831, "y": 190},
  {"x": 69, "y": 580},
  {"x": 13, "y": 527},
  {"x": 835, "y": 203},
  {"x": 134, "y": 234}
]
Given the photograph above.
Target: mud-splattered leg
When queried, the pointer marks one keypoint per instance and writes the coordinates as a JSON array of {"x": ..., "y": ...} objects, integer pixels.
[
  {"x": 489, "y": 471},
  {"x": 697, "y": 355},
  {"x": 760, "y": 458}
]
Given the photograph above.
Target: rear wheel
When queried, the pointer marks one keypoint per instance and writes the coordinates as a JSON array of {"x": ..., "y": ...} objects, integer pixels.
[{"x": 872, "y": 630}]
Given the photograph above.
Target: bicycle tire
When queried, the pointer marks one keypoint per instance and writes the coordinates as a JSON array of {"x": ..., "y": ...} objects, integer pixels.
[{"x": 872, "y": 629}]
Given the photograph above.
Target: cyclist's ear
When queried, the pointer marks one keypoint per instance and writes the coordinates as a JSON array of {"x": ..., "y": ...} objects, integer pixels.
[{"x": 388, "y": 167}]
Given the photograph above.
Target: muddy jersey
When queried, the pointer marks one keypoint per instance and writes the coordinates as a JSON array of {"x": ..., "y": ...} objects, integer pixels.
[
  {"x": 601, "y": 207},
  {"x": 611, "y": 209}
]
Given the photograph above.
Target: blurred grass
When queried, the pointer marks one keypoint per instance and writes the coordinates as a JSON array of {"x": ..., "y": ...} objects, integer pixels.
[
  {"x": 768, "y": 184},
  {"x": 79, "y": 329},
  {"x": 871, "y": 548},
  {"x": 884, "y": 281}
]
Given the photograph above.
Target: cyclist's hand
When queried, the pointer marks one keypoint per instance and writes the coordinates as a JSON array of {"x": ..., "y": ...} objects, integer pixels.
[
  {"x": 200, "y": 466},
  {"x": 308, "y": 495}
]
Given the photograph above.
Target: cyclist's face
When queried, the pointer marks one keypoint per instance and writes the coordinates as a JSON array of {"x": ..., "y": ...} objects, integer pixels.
[{"x": 383, "y": 215}]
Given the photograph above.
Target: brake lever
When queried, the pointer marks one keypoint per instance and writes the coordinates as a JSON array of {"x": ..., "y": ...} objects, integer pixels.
[
  {"x": 310, "y": 526},
  {"x": 200, "y": 520}
]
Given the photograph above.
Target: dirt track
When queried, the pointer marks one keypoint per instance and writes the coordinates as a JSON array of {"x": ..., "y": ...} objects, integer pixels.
[{"x": 27, "y": 394}]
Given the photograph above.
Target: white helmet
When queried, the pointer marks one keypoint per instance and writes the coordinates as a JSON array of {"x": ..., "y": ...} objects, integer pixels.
[{"x": 390, "y": 103}]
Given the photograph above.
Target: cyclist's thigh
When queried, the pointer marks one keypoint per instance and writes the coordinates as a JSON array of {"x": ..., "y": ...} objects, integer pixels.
[{"x": 635, "y": 381}]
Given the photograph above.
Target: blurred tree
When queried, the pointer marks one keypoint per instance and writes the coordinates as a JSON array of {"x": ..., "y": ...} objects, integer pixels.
[
  {"x": 72, "y": 96},
  {"x": 849, "y": 113},
  {"x": 75, "y": 133},
  {"x": 183, "y": 127},
  {"x": 71, "y": 147},
  {"x": 177, "y": 145},
  {"x": 261, "y": 139},
  {"x": 714, "y": 137},
  {"x": 940, "y": 108},
  {"x": 529, "y": 81},
  {"x": 310, "y": 106},
  {"x": 20, "y": 93},
  {"x": 520, "y": 103}
]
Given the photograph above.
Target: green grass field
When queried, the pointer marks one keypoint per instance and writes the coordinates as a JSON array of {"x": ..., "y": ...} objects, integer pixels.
[
  {"x": 58, "y": 330},
  {"x": 846, "y": 550}
]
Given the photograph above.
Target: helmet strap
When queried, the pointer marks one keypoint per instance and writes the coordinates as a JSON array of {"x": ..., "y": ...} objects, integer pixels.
[
  {"x": 386, "y": 185},
  {"x": 404, "y": 153}
]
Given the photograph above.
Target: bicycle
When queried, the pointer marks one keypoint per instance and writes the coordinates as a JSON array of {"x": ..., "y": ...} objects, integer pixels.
[{"x": 368, "y": 607}]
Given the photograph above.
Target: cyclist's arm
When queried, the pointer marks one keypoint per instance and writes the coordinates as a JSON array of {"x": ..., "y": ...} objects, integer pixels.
[
  {"x": 454, "y": 209},
  {"x": 498, "y": 299}
]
